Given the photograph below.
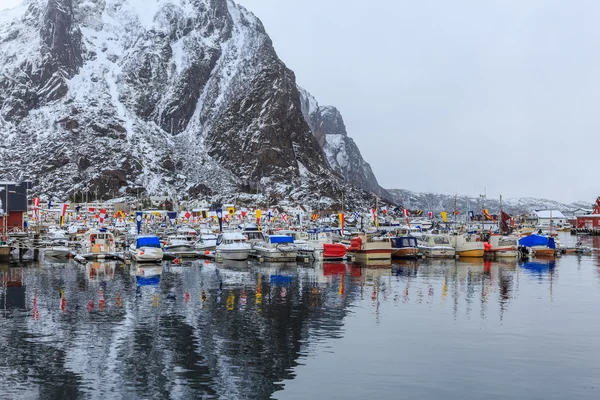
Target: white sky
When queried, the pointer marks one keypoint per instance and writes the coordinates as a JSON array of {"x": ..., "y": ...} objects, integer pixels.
[{"x": 454, "y": 96}]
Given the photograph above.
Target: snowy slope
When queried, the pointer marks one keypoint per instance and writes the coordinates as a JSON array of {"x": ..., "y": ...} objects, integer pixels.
[
  {"x": 439, "y": 202},
  {"x": 184, "y": 96}
]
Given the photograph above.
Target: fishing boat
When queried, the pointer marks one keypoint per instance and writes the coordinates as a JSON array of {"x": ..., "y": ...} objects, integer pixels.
[
  {"x": 233, "y": 246},
  {"x": 467, "y": 245},
  {"x": 539, "y": 245},
  {"x": 404, "y": 247},
  {"x": 97, "y": 244},
  {"x": 365, "y": 249},
  {"x": 276, "y": 248},
  {"x": 437, "y": 246},
  {"x": 146, "y": 249},
  {"x": 503, "y": 246}
]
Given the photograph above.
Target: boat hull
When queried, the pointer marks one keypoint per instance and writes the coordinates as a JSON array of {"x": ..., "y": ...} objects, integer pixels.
[
  {"x": 234, "y": 254},
  {"x": 548, "y": 253},
  {"x": 147, "y": 255},
  {"x": 406, "y": 253},
  {"x": 277, "y": 256},
  {"x": 439, "y": 253},
  {"x": 474, "y": 253},
  {"x": 373, "y": 255}
]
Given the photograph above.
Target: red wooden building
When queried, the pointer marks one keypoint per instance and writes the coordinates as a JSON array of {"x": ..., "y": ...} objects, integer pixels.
[{"x": 591, "y": 221}]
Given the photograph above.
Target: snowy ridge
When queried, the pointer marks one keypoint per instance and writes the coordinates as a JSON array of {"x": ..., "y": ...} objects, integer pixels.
[{"x": 441, "y": 202}]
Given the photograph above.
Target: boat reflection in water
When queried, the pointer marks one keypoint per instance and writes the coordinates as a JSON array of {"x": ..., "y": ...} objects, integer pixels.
[{"x": 193, "y": 330}]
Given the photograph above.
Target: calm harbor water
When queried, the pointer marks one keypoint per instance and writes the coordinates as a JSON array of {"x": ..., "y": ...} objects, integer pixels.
[{"x": 417, "y": 330}]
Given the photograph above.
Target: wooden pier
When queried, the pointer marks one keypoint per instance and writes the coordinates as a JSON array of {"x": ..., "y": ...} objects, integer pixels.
[{"x": 586, "y": 231}]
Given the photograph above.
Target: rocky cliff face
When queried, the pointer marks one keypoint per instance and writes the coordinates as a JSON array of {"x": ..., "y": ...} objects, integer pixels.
[
  {"x": 183, "y": 96},
  {"x": 343, "y": 155}
]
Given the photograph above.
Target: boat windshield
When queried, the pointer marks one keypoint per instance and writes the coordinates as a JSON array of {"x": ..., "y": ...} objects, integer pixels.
[
  {"x": 409, "y": 242},
  {"x": 441, "y": 240}
]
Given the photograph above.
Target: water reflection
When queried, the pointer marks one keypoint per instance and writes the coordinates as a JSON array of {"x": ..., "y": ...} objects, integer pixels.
[{"x": 234, "y": 330}]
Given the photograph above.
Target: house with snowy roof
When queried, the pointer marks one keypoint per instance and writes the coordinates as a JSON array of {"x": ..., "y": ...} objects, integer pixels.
[{"x": 545, "y": 217}]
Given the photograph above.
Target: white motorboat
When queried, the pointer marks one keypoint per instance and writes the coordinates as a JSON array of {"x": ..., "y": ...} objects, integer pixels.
[
  {"x": 278, "y": 248},
  {"x": 146, "y": 249},
  {"x": 437, "y": 246},
  {"x": 503, "y": 246},
  {"x": 180, "y": 243},
  {"x": 233, "y": 246},
  {"x": 97, "y": 244},
  {"x": 207, "y": 240}
]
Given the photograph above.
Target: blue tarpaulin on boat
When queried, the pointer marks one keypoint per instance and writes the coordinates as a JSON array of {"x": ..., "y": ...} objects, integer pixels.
[
  {"x": 281, "y": 239},
  {"x": 537, "y": 240},
  {"x": 148, "y": 241}
]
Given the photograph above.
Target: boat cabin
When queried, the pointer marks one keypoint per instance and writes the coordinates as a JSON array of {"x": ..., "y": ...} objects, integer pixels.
[{"x": 403, "y": 242}]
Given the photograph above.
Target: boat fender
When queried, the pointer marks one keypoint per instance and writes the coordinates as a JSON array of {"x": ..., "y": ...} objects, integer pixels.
[{"x": 487, "y": 246}]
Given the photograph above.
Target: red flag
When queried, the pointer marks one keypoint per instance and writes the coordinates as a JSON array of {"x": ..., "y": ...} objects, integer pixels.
[
  {"x": 430, "y": 214},
  {"x": 36, "y": 207},
  {"x": 62, "y": 213},
  {"x": 91, "y": 209},
  {"x": 406, "y": 213},
  {"x": 187, "y": 215}
]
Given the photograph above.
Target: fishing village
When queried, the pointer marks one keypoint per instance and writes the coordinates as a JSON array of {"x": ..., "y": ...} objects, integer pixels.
[{"x": 115, "y": 229}]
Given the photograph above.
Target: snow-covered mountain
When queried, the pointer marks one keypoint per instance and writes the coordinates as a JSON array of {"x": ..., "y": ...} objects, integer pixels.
[
  {"x": 343, "y": 155},
  {"x": 441, "y": 202},
  {"x": 155, "y": 96}
]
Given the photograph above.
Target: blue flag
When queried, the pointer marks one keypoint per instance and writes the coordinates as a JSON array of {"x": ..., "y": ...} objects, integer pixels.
[
  {"x": 220, "y": 217},
  {"x": 138, "y": 221},
  {"x": 172, "y": 216}
]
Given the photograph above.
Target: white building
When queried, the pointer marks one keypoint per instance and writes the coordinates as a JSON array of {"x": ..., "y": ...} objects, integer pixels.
[{"x": 545, "y": 216}]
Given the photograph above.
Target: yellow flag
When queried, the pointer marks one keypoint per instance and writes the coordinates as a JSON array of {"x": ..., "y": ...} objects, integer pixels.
[
  {"x": 444, "y": 215},
  {"x": 258, "y": 214},
  {"x": 231, "y": 211}
]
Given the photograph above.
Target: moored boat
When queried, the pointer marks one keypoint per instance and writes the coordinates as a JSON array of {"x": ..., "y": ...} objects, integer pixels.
[
  {"x": 437, "y": 246},
  {"x": 146, "y": 249},
  {"x": 279, "y": 248},
  {"x": 467, "y": 245},
  {"x": 364, "y": 249},
  {"x": 503, "y": 246},
  {"x": 97, "y": 244},
  {"x": 539, "y": 245},
  {"x": 404, "y": 247},
  {"x": 233, "y": 246}
]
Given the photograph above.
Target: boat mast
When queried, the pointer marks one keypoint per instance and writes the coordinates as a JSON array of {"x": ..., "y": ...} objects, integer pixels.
[
  {"x": 455, "y": 195},
  {"x": 501, "y": 217}
]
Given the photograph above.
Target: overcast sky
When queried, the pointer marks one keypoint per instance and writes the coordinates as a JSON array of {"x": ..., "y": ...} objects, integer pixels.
[{"x": 455, "y": 96}]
